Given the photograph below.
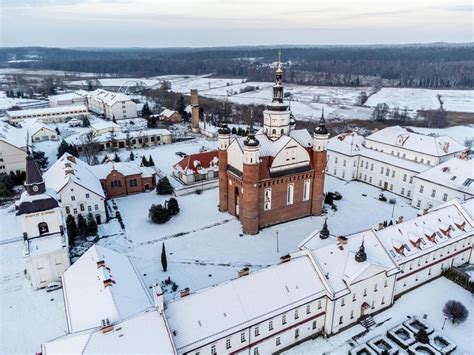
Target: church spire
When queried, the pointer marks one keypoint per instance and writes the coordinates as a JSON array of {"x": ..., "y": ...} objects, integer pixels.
[
  {"x": 324, "y": 233},
  {"x": 34, "y": 181},
  {"x": 321, "y": 128},
  {"x": 361, "y": 255},
  {"x": 278, "y": 87}
]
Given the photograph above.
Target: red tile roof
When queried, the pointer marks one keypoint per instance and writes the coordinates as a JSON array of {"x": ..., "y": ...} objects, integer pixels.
[{"x": 204, "y": 158}]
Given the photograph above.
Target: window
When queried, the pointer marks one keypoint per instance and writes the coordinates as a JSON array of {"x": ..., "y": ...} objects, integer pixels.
[
  {"x": 319, "y": 304},
  {"x": 73, "y": 198},
  {"x": 393, "y": 173},
  {"x": 43, "y": 228},
  {"x": 296, "y": 314},
  {"x": 381, "y": 170},
  {"x": 227, "y": 343},
  {"x": 75, "y": 211},
  {"x": 353, "y": 297},
  {"x": 418, "y": 203},
  {"x": 365, "y": 292},
  {"x": 283, "y": 319},
  {"x": 308, "y": 309},
  {"x": 385, "y": 283},
  {"x": 371, "y": 167},
  {"x": 270, "y": 325},
  {"x": 68, "y": 210},
  {"x": 242, "y": 337},
  {"x": 278, "y": 341},
  {"x": 375, "y": 288},
  {"x": 387, "y": 173},
  {"x": 314, "y": 324},
  {"x": 297, "y": 333},
  {"x": 411, "y": 179},
  {"x": 89, "y": 208},
  {"x": 289, "y": 194},
  {"x": 370, "y": 179},
  {"x": 87, "y": 196},
  {"x": 433, "y": 193},
  {"x": 342, "y": 302},
  {"x": 267, "y": 198},
  {"x": 257, "y": 331},
  {"x": 383, "y": 300},
  {"x": 82, "y": 207},
  {"x": 213, "y": 350},
  {"x": 445, "y": 197},
  {"x": 352, "y": 314},
  {"x": 340, "y": 319},
  {"x": 391, "y": 187},
  {"x": 344, "y": 162},
  {"x": 404, "y": 177},
  {"x": 403, "y": 191},
  {"x": 408, "y": 193},
  {"x": 335, "y": 160},
  {"x": 306, "y": 188},
  {"x": 255, "y": 351}
]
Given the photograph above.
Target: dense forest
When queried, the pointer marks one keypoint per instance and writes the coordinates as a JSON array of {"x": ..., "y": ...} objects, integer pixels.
[{"x": 427, "y": 66}]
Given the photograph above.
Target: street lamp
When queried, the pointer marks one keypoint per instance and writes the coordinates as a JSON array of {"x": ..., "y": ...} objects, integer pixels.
[
  {"x": 445, "y": 319},
  {"x": 393, "y": 208},
  {"x": 278, "y": 246}
]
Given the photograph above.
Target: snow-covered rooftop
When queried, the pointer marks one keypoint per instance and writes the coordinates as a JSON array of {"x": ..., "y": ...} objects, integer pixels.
[
  {"x": 14, "y": 136},
  {"x": 103, "y": 124},
  {"x": 78, "y": 139},
  {"x": 100, "y": 285},
  {"x": 200, "y": 317},
  {"x": 442, "y": 225},
  {"x": 198, "y": 162},
  {"x": 108, "y": 97},
  {"x": 35, "y": 126},
  {"x": 145, "y": 333},
  {"x": 66, "y": 96},
  {"x": 48, "y": 110},
  {"x": 349, "y": 143},
  {"x": 167, "y": 113},
  {"x": 456, "y": 174},
  {"x": 43, "y": 245},
  {"x": 401, "y": 137},
  {"x": 101, "y": 171},
  {"x": 71, "y": 169}
]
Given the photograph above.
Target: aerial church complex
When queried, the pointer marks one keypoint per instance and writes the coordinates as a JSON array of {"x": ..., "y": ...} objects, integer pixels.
[{"x": 276, "y": 174}]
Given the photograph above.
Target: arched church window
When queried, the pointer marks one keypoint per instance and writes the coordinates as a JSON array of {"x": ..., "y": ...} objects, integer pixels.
[
  {"x": 43, "y": 228},
  {"x": 274, "y": 131},
  {"x": 282, "y": 131}
]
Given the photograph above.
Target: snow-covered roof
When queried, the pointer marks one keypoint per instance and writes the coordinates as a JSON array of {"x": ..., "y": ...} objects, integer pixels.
[
  {"x": 73, "y": 96},
  {"x": 200, "y": 162},
  {"x": 102, "y": 124},
  {"x": 48, "y": 110},
  {"x": 167, "y": 113},
  {"x": 35, "y": 126},
  {"x": 423, "y": 234},
  {"x": 335, "y": 259},
  {"x": 12, "y": 135},
  {"x": 401, "y": 137},
  {"x": 100, "y": 285},
  {"x": 71, "y": 169},
  {"x": 393, "y": 160},
  {"x": 456, "y": 174},
  {"x": 145, "y": 333},
  {"x": 101, "y": 171},
  {"x": 44, "y": 245},
  {"x": 108, "y": 97},
  {"x": 201, "y": 317},
  {"x": 271, "y": 148},
  {"x": 77, "y": 139},
  {"x": 468, "y": 206},
  {"x": 349, "y": 143}
]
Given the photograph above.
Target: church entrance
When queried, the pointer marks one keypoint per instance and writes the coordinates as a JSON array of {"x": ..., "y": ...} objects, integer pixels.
[
  {"x": 237, "y": 201},
  {"x": 97, "y": 219}
]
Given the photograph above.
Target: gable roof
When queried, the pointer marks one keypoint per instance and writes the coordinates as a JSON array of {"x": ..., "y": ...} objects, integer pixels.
[
  {"x": 168, "y": 113},
  {"x": 403, "y": 138},
  {"x": 108, "y": 97},
  {"x": 88, "y": 299},
  {"x": 71, "y": 169},
  {"x": 103, "y": 124},
  {"x": 13, "y": 135},
  {"x": 194, "y": 163},
  {"x": 101, "y": 171},
  {"x": 35, "y": 126}
]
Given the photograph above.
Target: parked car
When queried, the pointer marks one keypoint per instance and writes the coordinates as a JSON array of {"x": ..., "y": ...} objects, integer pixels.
[
  {"x": 53, "y": 286},
  {"x": 181, "y": 154}
]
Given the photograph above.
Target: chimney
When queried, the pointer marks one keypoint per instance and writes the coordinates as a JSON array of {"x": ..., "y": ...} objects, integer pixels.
[
  {"x": 100, "y": 263},
  {"x": 244, "y": 272},
  {"x": 195, "y": 110},
  {"x": 285, "y": 258},
  {"x": 446, "y": 147},
  {"x": 106, "y": 326},
  {"x": 71, "y": 158},
  {"x": 108, "y": 282},
  {"x": 184, "y": 293}
]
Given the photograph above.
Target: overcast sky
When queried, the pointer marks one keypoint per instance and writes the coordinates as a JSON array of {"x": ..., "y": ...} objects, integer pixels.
[{"x": 197, "y": 23}]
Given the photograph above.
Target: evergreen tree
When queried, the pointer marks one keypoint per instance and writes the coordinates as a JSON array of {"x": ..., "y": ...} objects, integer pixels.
[
  {"x": 73, "y": 150},
  {"x": 146, "y": 112},
  {"x": 62, "y": 148},
  {"x": 114, "y": 120},
  {"x": 234, "y": 130},
  {"x": 116, "y": 158},
  {"x": 104, "y": 160},
  {"x": 144, "y": 161},
  {"x": 158, "y": 214},
  {"x": 150, "y": 161},
  {"x": 91, "y": 225},
  {"x": 95, "y": 160},
  {"x": 71, "y": 229},
  {"x": 40, "y": 159},
  {"x": 81, "y": 226},
  {"x": 57, "y": 131},
  {"x": 181, "y": 106},
  {"x": 164, "y": 261},
  {"x": 172, "y": 206},
  {"x": 164, "y": 187},
  {"x": 85, "y": 122},
  {"x": 132, "y": 156},
  {"x": 422, "y": 336},
  {"x": 6, "y": 185}
]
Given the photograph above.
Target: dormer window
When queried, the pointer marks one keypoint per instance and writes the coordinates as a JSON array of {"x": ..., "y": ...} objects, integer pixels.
[{"x": 43, "y": 228}]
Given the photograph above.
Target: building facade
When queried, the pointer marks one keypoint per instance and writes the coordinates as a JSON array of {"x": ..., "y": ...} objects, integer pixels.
[
  {"x": 13, "y": 143},
  {"x": 46, "y": 249},
  {"x": 275, "y": 175},
  {"x": 111, "y": 105},
  {"x": 197, "y": 168},
  {"x": 50, "y": 115}
]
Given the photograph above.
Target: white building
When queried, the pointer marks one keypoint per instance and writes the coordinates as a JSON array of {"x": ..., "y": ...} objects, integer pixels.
[
  {"x": 46, "y": 251},
  {"x": 389, "y": 159},
  {"x": 111, "y": 104},
  {"x": 449, "y": 180},
  {"x": 103, "y": 127},
  {"x": 67, "y": 99},
  {"x": 40, "y": 132},
  {"x": 13, "y": 142},
  {"x": 79, "y": 189},
  {"x": 321, "y": 289},
  {"x": 50, "y": 114},
  {"x": 197, "y": 168}
]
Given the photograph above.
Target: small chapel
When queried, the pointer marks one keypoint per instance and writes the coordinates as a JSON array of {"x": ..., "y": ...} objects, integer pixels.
[{"x": 276, "y": 174}]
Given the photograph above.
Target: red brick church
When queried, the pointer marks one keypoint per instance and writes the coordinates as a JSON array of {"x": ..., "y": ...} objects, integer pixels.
[{"x": 275, "y": 175}]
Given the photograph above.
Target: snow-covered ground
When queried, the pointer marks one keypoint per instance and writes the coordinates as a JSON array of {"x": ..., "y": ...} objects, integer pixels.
[
  {"x": 427, "y": 299},
  {"x": 418, "y": 99},
  {"x": 7, "y": 102}
]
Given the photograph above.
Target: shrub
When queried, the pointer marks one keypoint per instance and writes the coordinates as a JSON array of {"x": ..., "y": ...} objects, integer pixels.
[
  {"x": 172, "y": 206},
  {"x": 158, "y": 214},
  {"x": 6, "y": 185},
  {"x": 455, "y": 311}
]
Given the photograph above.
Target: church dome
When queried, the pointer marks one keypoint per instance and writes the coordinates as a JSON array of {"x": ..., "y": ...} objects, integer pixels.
[
  {"x": 251, "y": 141},
  {"x": 223, "y": 129}
]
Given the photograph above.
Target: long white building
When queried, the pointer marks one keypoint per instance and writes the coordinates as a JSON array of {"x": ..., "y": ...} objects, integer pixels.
[
  {"x": 389, "y": 159},
  {"x": 326, "y": 286},
  {"x": 111, "y": 104},
  {"x": 449, "y": 180},
  {"x": 50, "y": 114}
]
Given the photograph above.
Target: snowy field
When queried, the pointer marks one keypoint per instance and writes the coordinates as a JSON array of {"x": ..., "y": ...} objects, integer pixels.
[
  {"x": 419, "y": 99},
  {"x": 7, "y": 102},
  {"x": 426, "y": 299}
]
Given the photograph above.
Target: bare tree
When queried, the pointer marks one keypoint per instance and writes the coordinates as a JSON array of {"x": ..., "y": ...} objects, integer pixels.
[
  {"x": 455, "y": 311},
  {"x": 90, "y": 147}
]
